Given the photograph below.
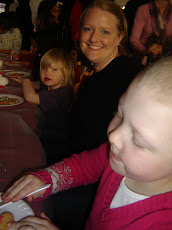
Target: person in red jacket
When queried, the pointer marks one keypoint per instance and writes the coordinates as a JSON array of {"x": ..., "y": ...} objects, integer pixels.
[{"x": 134, "y": 167}]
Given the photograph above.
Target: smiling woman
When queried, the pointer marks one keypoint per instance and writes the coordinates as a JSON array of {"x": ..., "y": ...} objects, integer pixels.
[{"x": 103, "y": 42}]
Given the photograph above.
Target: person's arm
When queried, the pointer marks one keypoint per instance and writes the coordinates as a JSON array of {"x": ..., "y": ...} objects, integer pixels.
[
  {"x": 79, "y": 169},
  {"x": 36, "y": 85},
  {"x": 135, "y": 38},
  {"x": 29, "y": 92}
]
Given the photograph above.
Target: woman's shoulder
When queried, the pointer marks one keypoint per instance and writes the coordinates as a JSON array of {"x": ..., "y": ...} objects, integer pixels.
[
  {"x": 125, "y": 61},
  {"x": 124, "y": 67},
  {"x": 143, "y": 8}
]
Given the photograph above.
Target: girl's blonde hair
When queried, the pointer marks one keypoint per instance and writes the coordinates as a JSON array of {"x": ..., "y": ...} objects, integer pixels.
[
  {"x": 114, "y": 9},
  {"x": 62, "y": 60}
]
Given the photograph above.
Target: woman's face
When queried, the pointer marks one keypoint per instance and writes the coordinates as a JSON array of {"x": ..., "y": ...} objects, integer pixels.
[
  {"x": 99, "y": 37},
  {"x": 55, "y": 13}
]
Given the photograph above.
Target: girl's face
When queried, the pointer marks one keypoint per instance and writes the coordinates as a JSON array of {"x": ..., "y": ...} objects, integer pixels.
[
  {"x": 99, "y": 37},
  {"x": 140, "y": 137},
  {"x": 52, "y": 77}
]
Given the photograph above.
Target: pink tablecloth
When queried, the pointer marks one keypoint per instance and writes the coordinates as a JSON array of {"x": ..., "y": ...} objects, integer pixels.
[
  {"x": 20, "y": 147},
  {"x": 30, "y": 113}
]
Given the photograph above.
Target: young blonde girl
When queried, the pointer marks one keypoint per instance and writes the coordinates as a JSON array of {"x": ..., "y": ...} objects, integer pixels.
[{"x": 54, "y": 98}]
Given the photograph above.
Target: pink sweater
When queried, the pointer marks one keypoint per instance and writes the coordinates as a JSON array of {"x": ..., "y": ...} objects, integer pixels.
[
  {"x": 154, "y": 213},
  {"x": 142, "y": 30}
]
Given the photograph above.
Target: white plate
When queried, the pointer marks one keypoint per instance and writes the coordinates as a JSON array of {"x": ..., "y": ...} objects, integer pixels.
[
  {"x": 17, "y": 74},
  {"x": 20, "y": 209},
  {"x": 14, "y": 63},
  {"x": 20, "y": 100}
]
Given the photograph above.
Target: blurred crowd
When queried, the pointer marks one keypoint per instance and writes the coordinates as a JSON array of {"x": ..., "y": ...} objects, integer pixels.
[{"x": 46, "y": 24}]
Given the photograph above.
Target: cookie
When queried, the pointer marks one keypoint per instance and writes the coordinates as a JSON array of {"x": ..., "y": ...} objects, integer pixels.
[{"x": 5, "y": 217}]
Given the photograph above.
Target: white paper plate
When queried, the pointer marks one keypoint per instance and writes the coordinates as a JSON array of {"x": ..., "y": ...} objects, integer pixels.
[
  {"x": 19, "y": 99},
  {"x": 20, "y": 209},
  {"x": 17, "y": 74}
]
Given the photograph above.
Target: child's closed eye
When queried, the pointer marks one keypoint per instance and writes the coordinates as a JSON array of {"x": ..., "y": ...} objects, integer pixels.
[{"x": 138, "y": 145}]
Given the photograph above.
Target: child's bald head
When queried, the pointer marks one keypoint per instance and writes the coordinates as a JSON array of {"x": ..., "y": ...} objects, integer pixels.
[{"x": 157, "y": 78}]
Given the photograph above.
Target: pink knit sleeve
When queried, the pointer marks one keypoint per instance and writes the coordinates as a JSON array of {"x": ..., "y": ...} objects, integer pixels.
[{"x": 79, "y": 169}]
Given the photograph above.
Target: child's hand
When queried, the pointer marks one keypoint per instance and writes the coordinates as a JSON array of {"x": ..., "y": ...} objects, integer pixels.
[
  {"x": 34, "y": 223},
  {"x": 22, "y": 187},
  {"x": 18, "y": 79}
]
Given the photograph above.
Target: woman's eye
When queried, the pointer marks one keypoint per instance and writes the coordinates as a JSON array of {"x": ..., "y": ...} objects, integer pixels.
[
  {"x": 54, "y": 69},
  {"x": 105, "y": 32}
]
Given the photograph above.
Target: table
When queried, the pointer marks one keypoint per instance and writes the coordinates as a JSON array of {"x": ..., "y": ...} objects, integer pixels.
[{"x": 20, "y": 127}]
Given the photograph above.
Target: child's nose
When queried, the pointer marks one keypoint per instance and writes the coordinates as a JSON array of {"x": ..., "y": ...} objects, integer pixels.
[
  {"x": 47, "y": 71},
  {"x": 116, "y": 138}
]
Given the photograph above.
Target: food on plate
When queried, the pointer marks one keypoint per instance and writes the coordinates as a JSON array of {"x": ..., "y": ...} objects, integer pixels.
[
  {"x": 5, "y": 100},
  {"x": 3, "y": 80},
  {"x": 16, "y": 74},
  {"x": 5, "y": 217}
]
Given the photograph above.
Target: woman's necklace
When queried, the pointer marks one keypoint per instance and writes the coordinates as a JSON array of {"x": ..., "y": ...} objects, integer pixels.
[{"x": 162, "y": 4}]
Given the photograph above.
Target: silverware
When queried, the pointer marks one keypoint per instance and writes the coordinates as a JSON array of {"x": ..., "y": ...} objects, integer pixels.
[{"x": 2, "y": 204}]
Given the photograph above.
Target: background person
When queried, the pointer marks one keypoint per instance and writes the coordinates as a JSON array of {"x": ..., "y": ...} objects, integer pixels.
[
  {"x": 130, "y": 12},
  {"x": 10, "y": 35},
  {"x": 135, "y": 190},
  {"x": 152, "y": 31},
  {"x": 24, "y": 20},
  {"x": 52, "y": 26},
  {"x": 49, "y": 33}
]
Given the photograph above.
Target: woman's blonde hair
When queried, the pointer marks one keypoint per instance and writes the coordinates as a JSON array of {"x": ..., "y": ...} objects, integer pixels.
[
  {"x": 62, "y": 60},
  {"x": 114, "y": 9}
]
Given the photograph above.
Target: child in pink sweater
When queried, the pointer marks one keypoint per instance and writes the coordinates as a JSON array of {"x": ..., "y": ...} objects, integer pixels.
[{"x": 134, "y": 167}]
